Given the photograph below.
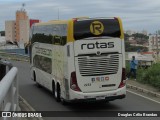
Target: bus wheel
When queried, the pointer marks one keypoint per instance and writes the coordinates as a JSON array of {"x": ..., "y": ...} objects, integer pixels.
[
  {"x": 34, "y": 78},
  {"x": 58, "y": 93},
  {"x": 63, "y": 102},
  {"x": 53, "y": 88}
]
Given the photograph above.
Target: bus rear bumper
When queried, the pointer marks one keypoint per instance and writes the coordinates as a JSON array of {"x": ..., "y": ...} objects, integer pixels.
[
  {"x": 120, "y": 93},
  {"x": 111, "y": 98}
]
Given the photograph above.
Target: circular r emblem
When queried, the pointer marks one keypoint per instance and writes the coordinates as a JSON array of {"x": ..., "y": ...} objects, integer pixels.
[{"x": 96, "y": 28}]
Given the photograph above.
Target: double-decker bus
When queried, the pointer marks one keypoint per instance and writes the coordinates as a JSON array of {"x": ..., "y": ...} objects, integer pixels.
[{"x": 82, "y": 59}]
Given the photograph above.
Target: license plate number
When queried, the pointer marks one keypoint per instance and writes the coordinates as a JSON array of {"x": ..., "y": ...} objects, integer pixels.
[{"x": 100, "y": 98}]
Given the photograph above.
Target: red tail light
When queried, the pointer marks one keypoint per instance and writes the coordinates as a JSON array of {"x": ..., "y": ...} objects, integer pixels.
[
  {"x": 74, "y": 86},
  {"x": 74, "y": 19},
  {"x": 123, "y": 78},
  {"x": 116, "y": 18}
]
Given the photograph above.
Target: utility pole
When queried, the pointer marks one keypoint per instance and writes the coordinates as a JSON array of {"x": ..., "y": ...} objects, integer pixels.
[
  {"x": 157, "y": 51},
  {"x": 58, "y": 13}
]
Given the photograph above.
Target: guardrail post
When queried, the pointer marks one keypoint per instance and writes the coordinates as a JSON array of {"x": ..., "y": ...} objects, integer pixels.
[{"x": 2, "y": 71}]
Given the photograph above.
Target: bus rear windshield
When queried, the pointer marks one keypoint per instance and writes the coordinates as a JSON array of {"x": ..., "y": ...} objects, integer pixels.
[{"x": 96, "y": 28}]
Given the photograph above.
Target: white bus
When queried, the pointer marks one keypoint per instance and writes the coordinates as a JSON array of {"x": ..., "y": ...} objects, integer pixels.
[{"x": 82, "y": 59}]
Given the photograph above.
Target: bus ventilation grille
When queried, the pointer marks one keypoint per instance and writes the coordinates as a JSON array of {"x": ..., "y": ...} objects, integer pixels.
[{"x": 100, "y": 65}]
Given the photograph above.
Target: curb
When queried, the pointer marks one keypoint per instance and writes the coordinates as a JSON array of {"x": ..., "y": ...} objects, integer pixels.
[
  {"x": 25, "y": 106},
  {"x": 143, "y": 90},
  {"x": 22, "y": 100}
]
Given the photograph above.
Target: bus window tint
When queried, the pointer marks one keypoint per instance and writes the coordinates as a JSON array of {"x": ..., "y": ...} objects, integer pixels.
[
  {"x": 43, "y": 63},
  {"x": 47, "y": 33},
  {"x": 88, "y": 28}
]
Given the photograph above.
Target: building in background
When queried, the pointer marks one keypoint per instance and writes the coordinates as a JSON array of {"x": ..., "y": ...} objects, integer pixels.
[
  {"x": 17, "y": 31},
  {"x": 131, "y": 32},
  {"x": 22, "y": 23},
  {"x": 24, "y": 31},
  {"x": 154, "y": 43},
  {"x": 10, "y": 31},
  {"x": 32, "y": 21}
]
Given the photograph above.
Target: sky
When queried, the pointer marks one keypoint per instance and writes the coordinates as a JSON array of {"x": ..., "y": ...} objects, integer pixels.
[{"x": 136, "y": 15}]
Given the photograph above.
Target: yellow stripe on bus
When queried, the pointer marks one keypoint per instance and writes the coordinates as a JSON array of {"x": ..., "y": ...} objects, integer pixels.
[
  {"x": 70, "y": 37},
  {"x": 121, "y": 28}
]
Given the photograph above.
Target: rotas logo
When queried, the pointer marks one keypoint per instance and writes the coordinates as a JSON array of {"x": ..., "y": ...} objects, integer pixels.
[{"x": 96, "y": 28}]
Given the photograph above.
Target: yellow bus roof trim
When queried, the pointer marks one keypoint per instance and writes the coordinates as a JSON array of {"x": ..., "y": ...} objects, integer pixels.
[{"x": 121, "y": 28}]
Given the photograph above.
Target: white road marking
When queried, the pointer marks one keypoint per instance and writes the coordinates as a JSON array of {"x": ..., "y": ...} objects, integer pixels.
[{"x": 143, "y": 96}]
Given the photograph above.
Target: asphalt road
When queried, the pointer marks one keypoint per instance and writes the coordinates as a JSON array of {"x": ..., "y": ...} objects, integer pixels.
[{"x": 42, "y": 100}]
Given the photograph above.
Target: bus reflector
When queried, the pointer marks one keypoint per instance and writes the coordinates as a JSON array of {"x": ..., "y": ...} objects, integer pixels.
[
  {"x": 123, "y": 78},
  {"x": 74, "y": 86}
]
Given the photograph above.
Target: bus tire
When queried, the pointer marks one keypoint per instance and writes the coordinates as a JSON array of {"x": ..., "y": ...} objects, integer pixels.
[
  {"x": 34, "y": 76},
  {"x": 63, "y": 101},
  {"x": 35, "y": 79},
  {"x": 53, "y": 88},
  {"x": 58, "y": 93}
]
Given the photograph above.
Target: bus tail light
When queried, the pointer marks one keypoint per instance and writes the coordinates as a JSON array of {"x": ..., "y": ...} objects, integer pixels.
[
  {"x": 123, "y": 78},
  {"x": 75, "y": 19},
  {"x": 74, "y": 86}
]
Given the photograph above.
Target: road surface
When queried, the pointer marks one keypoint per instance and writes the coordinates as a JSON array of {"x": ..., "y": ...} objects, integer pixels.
[{"x": 42, "y": 100}]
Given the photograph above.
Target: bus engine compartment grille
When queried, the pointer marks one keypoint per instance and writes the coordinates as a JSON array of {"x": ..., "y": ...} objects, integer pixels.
[{"x": 98, "y": 65}]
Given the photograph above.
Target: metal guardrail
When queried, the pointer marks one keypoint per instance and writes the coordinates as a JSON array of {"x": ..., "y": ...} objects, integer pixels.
[{"x": 9, "y": 90}]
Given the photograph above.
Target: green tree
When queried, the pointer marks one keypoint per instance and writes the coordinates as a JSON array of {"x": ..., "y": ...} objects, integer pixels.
[
  {"x": 126, "y": 36},
  {"x": 140, "y": 38}
]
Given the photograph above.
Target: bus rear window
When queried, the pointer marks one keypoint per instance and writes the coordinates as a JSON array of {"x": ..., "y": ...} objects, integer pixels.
[{"x": 96, "y": 28}]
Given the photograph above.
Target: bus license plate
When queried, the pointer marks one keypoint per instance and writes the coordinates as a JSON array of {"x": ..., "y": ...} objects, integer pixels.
[{"x": 100, "y": 98}]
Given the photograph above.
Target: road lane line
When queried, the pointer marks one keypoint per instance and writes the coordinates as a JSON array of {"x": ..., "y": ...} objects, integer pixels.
[{"x": 143, "y": 96}]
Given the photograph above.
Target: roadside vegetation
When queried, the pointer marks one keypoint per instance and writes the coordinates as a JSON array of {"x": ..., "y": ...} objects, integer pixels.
[
  {"x": 149, "y": 76},
  {"x": 139, "y": 38}
]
